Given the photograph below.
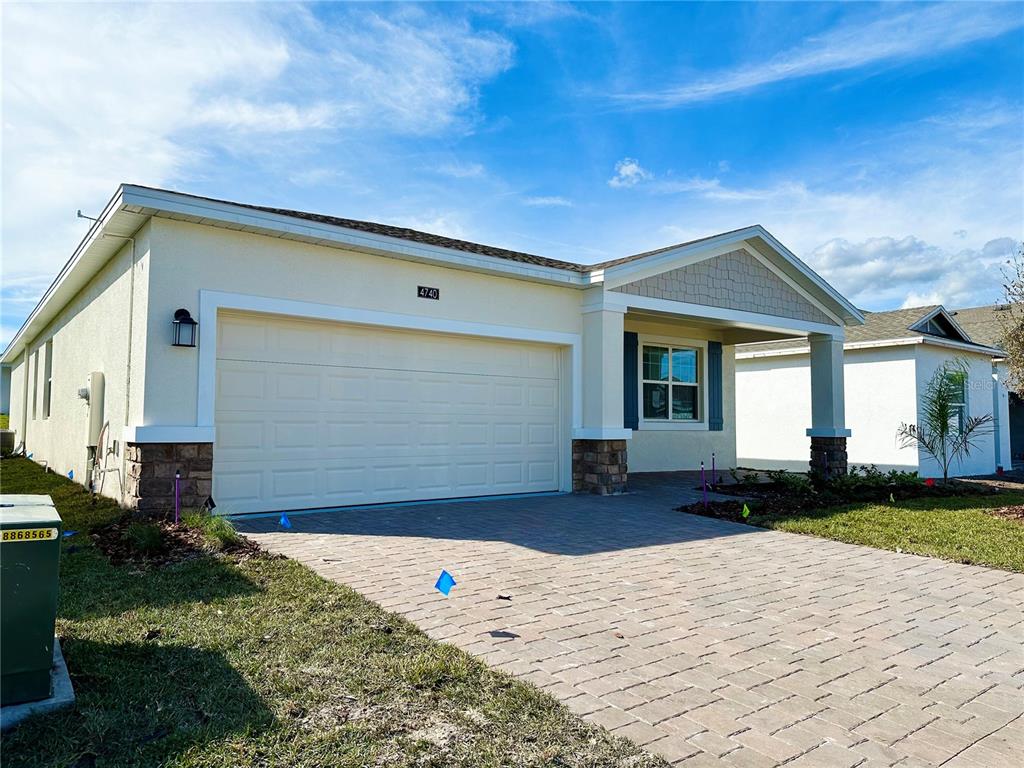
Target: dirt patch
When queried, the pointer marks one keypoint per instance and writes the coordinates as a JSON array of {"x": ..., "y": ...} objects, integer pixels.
[
  {"x": 177, "y": 543},
  {"x": 1015, "y": 513}
]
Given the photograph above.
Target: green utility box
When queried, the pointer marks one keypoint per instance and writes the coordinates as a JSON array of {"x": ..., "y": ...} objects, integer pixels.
[{"x": 29, "y": 559}]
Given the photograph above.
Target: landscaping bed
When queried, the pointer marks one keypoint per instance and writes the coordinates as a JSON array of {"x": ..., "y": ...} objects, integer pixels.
[
  {"x": 962, "y": 521},
  {"x": 199, "y": 655}
]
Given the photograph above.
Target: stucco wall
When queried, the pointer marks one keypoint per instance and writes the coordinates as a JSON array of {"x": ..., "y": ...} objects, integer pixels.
[
  {"x": 735, "y": 280},
  {"x": 90, "y": 334},
  {"x": 684, "y": 446},
  {"x": 883, "y": 389},
  {"x": 773, "y": 396},
  {"x": 190, "y": 257},
  {"x": 982, "y": 460}
]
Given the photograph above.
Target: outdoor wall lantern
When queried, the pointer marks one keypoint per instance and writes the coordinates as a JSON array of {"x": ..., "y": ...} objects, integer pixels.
[{"x": 185, "y": 329}]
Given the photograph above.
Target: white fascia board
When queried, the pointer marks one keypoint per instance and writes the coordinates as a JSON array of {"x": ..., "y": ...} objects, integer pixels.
[
  {"x": 854, "y": 345},
  {"x": 213, "y": 213},
  {"x": 811, "y": 275},
  {"x": 736, "y": 317},
  {"x": 941, "y": 310},
  {"x": 70, "y": 269}
]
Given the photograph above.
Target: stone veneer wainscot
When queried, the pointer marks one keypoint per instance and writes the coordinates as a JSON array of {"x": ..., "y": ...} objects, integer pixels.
[
  {"x": 599, "y": 466},
  {"x": 151, "y": 468}
]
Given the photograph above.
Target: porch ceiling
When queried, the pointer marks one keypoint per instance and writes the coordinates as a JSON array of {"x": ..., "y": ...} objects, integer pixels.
[{"x": 733, "y": 332}]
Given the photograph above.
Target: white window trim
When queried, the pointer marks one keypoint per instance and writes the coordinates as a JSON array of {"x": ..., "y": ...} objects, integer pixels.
[
  {"x": 966, "y": 404},
  {"x": 35, "y": 384},
  {"x": 654, "y": 425},
  {"x": 47, "y": 378}
]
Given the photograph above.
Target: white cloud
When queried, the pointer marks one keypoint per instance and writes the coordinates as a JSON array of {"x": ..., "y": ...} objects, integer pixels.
[
  {"x": 552, "y": 201},
  {"x": 921, "y": 31},
  {"x": 628, "y": 173},
  {"x": 885, "y": 271},
  {"x": 462, "y": 170},
  {"x": 95, "y": 95}
]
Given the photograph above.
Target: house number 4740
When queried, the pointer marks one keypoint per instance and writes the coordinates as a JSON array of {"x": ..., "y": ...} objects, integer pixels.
[{"x": 425, "y": 292}]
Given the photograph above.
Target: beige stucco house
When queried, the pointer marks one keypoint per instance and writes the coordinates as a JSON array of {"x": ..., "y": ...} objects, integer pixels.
[{"x": 340, "y": 362}]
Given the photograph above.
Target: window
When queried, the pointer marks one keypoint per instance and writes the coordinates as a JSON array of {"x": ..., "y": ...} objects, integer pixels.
[
  {"x": 47, "y": 378},
  {"x": 35, "y": 384},
  {"x": 958, "y": 385},
  {"x": 670, "y": 383}
]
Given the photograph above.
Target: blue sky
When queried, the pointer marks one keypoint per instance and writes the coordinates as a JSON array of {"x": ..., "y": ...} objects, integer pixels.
[{"x": 883, "y": 143}]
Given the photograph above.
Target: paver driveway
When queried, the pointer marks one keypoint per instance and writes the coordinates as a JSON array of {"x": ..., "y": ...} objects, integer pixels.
[{"x": 706, "y": 642}]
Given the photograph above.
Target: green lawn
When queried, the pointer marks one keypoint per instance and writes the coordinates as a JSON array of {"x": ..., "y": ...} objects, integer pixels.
[
  {"x": 954, "y": 528},
  {"x": 213, "y": 662},
  {"x": 5, "y": 420}
]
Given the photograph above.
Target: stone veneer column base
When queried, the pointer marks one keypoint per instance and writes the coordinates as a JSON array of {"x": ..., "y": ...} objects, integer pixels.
[
  {"x": 599, "y": 466},
  {"x": 149, "y": 486},
  {"x": 828, "y": 456}
]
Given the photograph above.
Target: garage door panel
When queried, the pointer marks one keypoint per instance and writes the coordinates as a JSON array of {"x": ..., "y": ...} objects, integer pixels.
[{"x": 323, "y": 415}]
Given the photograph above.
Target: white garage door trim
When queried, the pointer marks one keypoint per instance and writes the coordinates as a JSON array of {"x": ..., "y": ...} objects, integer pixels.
[
  {"x": 318, "y": 414},
  {"x": 211, "y": 302}
]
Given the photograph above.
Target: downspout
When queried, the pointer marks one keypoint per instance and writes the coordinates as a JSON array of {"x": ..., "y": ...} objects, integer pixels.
[{"x": 995, "y": 413}]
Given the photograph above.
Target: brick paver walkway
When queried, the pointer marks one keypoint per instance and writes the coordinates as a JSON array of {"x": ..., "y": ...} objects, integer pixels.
[{"x": 707, "y": 643}]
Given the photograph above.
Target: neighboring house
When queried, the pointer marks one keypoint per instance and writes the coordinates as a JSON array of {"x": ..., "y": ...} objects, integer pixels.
[
  {"x": 985, "y": 326},
  {"x": 342, "y": 362},
  {"x": 889, "y": 361}
]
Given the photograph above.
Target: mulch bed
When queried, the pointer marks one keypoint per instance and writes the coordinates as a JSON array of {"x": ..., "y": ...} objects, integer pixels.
[
  {"x": 773, "y": 499},
  {"x": 178, "y": 543}
]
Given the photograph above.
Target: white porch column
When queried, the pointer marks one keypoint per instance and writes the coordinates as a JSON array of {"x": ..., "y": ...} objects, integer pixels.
[
  {"x": 828, "y": 430},
  {"x": 602, "y": 374},
  {"x": 599, "y": 445}
]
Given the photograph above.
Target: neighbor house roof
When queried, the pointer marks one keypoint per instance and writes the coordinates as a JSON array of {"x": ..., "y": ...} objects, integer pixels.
[
  {"x": 984, "y": 324},
  {"x": 891, "y": 326}
]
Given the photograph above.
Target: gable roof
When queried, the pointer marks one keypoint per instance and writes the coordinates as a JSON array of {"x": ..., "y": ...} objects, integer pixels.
[
  {"x": 880, "y": 327},
  {"x": 132, "y": 205},
  {"x": 984, "y": 324}
]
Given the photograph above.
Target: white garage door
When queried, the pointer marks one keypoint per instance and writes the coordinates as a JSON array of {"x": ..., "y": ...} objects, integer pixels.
[{"x": 313, "y": 414}]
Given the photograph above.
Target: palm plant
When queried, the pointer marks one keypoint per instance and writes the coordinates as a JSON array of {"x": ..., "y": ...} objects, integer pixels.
[{"x": 945, "y": 432}]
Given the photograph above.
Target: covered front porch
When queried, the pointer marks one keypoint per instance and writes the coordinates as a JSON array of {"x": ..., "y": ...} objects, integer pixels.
[{"x": 658, "y": 362}]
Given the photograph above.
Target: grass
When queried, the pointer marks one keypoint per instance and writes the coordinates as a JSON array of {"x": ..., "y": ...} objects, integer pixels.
[
  {"x": 218, "y": 531},
  {"x": 259, "y": 661},
  {"x": 5, "y": 421},
  {"x": 952, "y": 528}
]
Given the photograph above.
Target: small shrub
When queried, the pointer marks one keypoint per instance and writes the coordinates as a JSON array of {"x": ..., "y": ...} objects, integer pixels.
[
  {"x": 791, "y": 484},
  {"x": 218, "y": 531},
  {"x": 221, "y": 533},
  {"x": 145, "y": 538}
]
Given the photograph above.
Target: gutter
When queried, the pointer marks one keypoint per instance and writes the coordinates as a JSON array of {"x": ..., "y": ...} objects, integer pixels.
[{"x": 901, "y": 342}]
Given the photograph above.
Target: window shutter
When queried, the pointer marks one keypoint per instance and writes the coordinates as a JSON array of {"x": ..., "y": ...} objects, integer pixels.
[
  {"x": 630, "y": 382},
  {"x": 716, "y": 419}
]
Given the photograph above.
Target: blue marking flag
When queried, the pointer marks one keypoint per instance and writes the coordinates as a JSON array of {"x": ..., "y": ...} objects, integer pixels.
[
  {"x": 69, "y": 533},
  {"x": 746, "y": 511},
  {"x": 445, "y": 582},
  {"x": 30, "y": 456},
  {"x": 284, "y": 522},
  {"x": 71, "y": 474}
]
